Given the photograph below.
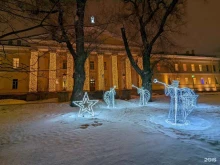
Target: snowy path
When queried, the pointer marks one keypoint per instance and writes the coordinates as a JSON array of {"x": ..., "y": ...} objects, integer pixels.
[{"x": 52, "y": 134}]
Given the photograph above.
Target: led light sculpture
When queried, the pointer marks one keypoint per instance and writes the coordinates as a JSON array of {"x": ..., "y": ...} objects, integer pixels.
[
  {"x": 109, "y": 97},
  {"x": 183, "y": 101},
  {"x": 85, "y": 105},
  {"x": 144, "y": 95}
]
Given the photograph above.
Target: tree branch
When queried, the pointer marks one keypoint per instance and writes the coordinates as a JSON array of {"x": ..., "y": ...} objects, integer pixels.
[
  {"x": 64, "y": 34},
  {"x": 163, "y": 21},
  {"x": 133, "y": 63}
]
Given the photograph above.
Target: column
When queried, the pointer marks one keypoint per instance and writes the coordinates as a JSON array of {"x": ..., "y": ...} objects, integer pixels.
[
  {"x": 52, "y": 72},
  {"x": 100, "y": 72},
  {"x": 128, "y": 73},
  {"x": 69, "y": 78},
  {"x": 86, "y": 83},
  {"x": 140, "y": 64},
  {"x": 115, "y": 71},
  {"x": 33, "y": 71}
]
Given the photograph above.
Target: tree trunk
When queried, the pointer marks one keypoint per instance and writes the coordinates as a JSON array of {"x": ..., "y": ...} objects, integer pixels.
[
  {"x": 146, "y": 75},
  {"x": 79, "y": 79},
  {"x": 80, "y": 56},
  {"x": 147, "y": 82}
]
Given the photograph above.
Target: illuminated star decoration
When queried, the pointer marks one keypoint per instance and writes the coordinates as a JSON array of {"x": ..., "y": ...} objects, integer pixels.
[{"x": 85, "y": 105}]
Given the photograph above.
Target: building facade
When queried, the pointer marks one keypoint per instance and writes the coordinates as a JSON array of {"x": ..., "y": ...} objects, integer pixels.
[{"x": 40, "y": 68}]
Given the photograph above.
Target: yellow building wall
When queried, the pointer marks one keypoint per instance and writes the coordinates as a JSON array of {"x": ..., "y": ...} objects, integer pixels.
[
  {"x": 209, "y": 77},
  {"x": 8, "y": 73},
  {"x": 43, "y": 72},
  {"x": 6, "y": 82},
  {"x": 166, "y": 73}
]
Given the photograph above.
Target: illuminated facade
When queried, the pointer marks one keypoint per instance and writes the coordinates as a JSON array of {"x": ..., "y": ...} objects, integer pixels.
[{"x": 50, "y": 69}]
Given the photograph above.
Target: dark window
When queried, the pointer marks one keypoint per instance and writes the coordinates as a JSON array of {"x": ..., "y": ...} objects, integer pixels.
[
  {"x": 19, "y": 42},
  {"x": 169, "y": 81},
  {"x": 105, "y": 66},
  {"x": 207, "y": 68},
  {"x": 92, "y": 84},
  {"x": 158, "y": 66},
  {"x": 64, "y": 64},
  {"x": 15, "y": 84},
  {"x": 10, "y": 42},
  {"x": 92, "y": 65},
  {"x": 214, "y": 68}
]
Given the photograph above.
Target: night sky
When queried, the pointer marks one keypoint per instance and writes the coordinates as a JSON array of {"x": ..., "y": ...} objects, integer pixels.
[{"x": 203, "y": 27}]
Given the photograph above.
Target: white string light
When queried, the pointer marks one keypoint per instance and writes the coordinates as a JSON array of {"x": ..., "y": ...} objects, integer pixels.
[
  {"x": 144, "y": 95},
  {"x": 183, "y": 101},
  {"x": 109, "y": 97},
  {"x": 85, "y": 105}
]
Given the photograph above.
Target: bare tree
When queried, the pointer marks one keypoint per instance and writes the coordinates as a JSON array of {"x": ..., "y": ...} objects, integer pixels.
[{"x": 154, "y": 20}]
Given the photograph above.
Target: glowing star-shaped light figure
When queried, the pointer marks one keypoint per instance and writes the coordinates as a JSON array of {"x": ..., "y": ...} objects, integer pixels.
[{"x": 85, "y": 105}]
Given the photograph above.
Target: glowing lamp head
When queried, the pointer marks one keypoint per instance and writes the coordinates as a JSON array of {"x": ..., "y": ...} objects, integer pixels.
[
  {"x": 155, "y": 81},
  {"x": 92, "y": 19}
]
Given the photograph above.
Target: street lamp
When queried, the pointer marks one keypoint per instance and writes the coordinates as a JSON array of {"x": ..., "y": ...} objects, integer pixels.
[{"x": 92, "y": 19}]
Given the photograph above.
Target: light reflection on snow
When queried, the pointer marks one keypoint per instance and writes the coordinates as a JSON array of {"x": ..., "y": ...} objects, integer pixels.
[{"x": 194, "y": 123}]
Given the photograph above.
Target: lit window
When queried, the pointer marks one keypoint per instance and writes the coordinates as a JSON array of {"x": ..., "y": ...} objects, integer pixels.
[
  {"x": 158, "y": 66},
  {"x": 202, "y": 81},
  {"x": 15, "y": 62},
  {"x": 186, "y": 80},
  {"x": 200, "y": 68},
  {"x": 178, "y": 79},
  {"x": 194, "y": 80},
  {"x": 207, "y": 68},
  {"x": 64, "y": 64},
  {"x": 105, "y": 66},
  {"x": 184, "y": 67},
  {"x": 193, "y": 67},
  {"x": 15, "y": 84},
  {"x": 209, "y": 80},
  {"x": 216, "y": 80},
  {"x": 92, "y": 65},
  {"x": 176, "y": 67}
]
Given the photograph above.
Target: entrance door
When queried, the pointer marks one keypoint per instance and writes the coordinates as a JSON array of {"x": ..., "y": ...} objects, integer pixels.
[{"x": 92, "y": 84}]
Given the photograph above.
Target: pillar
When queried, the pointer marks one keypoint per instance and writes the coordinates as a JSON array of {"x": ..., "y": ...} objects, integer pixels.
[
  {"x": 86, "y": 83},
  {"x": 33, "y": 72},
  {"x": 128, "y": 73},
  {"x": 140, "y": 64},
  {"x": 52, "y": 72},
  {"x": 69, "y": 78},
  {"x": 115, "y": 71},
  {"x": 100, "y": 72}
]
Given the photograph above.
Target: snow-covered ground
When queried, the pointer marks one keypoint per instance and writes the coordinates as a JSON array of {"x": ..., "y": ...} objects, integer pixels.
[{"x": 52, "y": 134}]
